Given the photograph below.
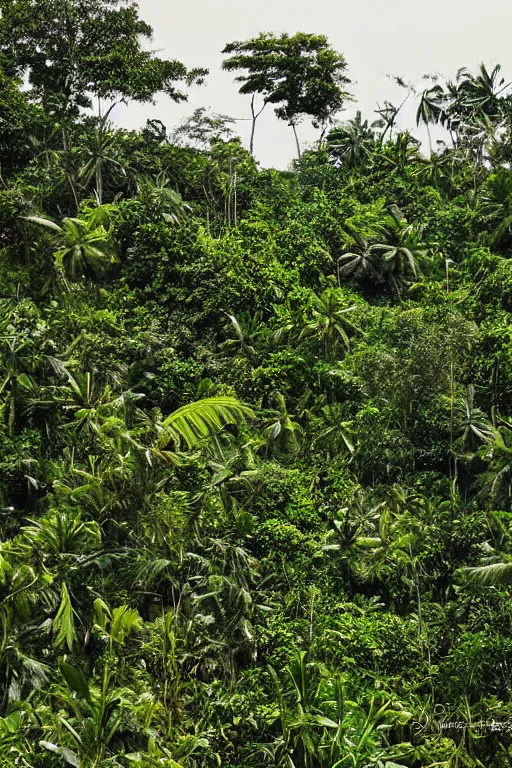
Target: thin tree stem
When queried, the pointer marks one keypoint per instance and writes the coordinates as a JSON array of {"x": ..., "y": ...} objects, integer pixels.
[{"x": 296, "y": 139}]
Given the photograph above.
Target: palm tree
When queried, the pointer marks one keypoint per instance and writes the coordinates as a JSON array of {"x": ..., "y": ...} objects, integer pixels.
[
  {"x": 388, "y": 114},
  {"x": 392, "y": 262},
  {"x": 15, "y": 372},
  {"x": 401, "y": 153},
  {"x": 90, "y": 398},
  {"x": 435, "y": 170},
  {"x": 247, "y": 331},
  {"x": 496, "y": 480},
  {"x": 234, "y": 468},
  {"x": 481, "y": 92},
  {"x": 429, "y": 109},
  {"x": 159, "y": 193},
  {"x": 467, "y": 100},
  {"x": 333, "y": 432},
  {"x": 329, "y": 322},
  {"x": 399, "y": 258},
  {"x": 352, "y": 142},
  {"x": 495, "y": 574},
  {"x": 361, "y": 264},
  {"x": 282, "y": 432},
  {"x": 387, "y": 549},
  {"x": 471, "y": 425},
  {"x": 101, "y": 155},
  {"x": 84, "y": 246}
]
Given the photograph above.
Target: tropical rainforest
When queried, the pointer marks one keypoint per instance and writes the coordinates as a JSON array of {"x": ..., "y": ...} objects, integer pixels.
[{"x": 256, "y": 425}]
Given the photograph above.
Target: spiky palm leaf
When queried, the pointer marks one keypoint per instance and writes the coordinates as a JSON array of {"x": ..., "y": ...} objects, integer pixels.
[
  {"x": 194, "y": 422},
  {"x": 496, "y": 574},
  {"x": 81, "y": 244}
]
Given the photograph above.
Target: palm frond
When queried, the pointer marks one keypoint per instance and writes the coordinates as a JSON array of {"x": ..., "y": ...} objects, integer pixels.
[
  {"x": 495, "y": 574},
  {"x": 196, "y": 421},
  {"x": 64, "y": 621}
]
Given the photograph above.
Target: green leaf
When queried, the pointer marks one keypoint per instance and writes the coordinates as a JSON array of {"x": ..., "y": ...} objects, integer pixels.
[
  {"x": 43, "y": 222},
  {"x": 64, "y": 621},
  {"x": 490, "y": 575},
  {"x": 66, "y": 753},
  {"x": 196, "y": 421},
  {"x": 75, "y": 680},
  {"x": 327, "y": 722}
]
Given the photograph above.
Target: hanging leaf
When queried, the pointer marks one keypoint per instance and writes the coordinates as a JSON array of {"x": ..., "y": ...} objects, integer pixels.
[
  {"x": 75, "y": 679},
  {"x": 67, "y": 754},
  {"x": 64, "y": 621}
]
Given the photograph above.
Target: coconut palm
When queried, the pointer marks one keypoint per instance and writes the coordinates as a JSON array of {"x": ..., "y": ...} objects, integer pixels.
[
  {"x": 352, "y": 142},
  {"x": 82, "y": 247},
  {"x": 429, "y": 109},
  {"x": 361, "y": 264},
  {"x": 329, "y": 323},
  {"x": 482, "y": 92},
  {"x": 392, "y": 261},
  {"x": 495, "y": 574},
  {"x": 194, "y": 422},
  {"x": 399, "y": 258}
]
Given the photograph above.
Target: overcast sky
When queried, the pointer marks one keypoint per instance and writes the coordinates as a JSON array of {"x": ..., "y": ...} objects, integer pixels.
[{"x": 397, "y": 37}]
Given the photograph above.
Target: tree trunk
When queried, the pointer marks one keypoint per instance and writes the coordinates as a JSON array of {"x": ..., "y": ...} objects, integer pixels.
[
  {"x": 254, "y": 118},
  {"x": 296, "y": 139},
  {"x": 67, "y": 159}
]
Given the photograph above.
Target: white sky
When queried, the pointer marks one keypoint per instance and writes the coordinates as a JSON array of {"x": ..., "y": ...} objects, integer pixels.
[{"x": 397, "y": 37}]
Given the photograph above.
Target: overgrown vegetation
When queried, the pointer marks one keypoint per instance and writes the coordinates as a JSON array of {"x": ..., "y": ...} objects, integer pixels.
[{"x": 256, "y": 426}]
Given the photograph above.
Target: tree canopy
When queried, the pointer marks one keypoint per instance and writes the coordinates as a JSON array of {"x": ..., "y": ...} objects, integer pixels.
[
  {"x": 300, "y": 74},
  {"x": 255, "y": 425}
]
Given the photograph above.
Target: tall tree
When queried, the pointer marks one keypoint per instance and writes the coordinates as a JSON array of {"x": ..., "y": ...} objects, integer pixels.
[
  {"x": 72, "y": 50},
  {"x": 300, "y": 74}
]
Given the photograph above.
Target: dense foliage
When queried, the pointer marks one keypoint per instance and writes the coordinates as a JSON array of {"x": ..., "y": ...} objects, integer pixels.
[{"x": 256, "y": 427}]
